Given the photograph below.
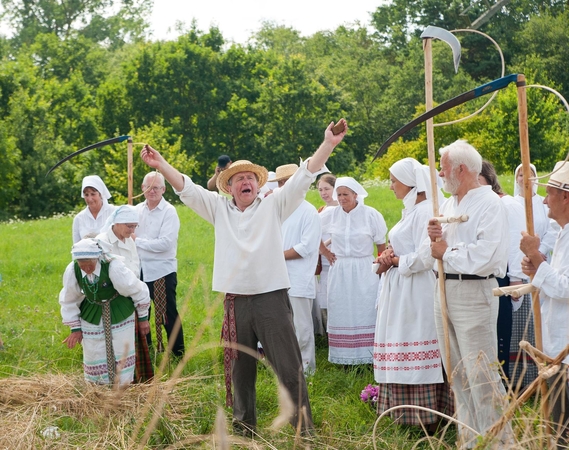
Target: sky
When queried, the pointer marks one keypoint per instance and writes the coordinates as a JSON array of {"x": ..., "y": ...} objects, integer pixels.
[{"x": 238, "y": 19}]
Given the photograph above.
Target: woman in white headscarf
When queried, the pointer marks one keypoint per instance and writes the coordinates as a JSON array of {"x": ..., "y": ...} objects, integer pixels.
[
  {"x": 95, "y": 284},
  {"x": 90, "y": 221},
  {"x": 117, "y": 234},
  {"x": 407, "y": 360},
  {"x": 352, "y": 286}
]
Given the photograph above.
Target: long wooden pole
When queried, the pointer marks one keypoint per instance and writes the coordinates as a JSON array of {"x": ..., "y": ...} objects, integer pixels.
[
  {"x": 129, "y": 169},
  {"x": 428, "y": 51},
  {"x": 528, "y": 194}
]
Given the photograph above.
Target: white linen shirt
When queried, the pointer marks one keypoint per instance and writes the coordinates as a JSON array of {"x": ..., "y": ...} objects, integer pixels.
[
  {"x": 126, "y": 249},
  {"x": 84, "y": 223},
  {"x": 248, "y": 256},
  {"x": 354, "y": 233},
  {"x": 124, "y": 281},
  {"x": 157, "y": 239},
  {"x": 302, "y": 232},
  {"x": 553, "y": 281},
  {"x": 517, "y": 222},
  {"x": 544, "y": 227},
  {"x": 480, "y": 245}
]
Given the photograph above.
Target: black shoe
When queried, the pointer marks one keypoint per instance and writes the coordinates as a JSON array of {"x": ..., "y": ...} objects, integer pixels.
[{"x": 243, "y": 429}]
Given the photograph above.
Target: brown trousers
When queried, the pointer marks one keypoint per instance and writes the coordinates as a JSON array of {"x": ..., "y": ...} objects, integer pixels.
[{"x": 267, "y": 318}]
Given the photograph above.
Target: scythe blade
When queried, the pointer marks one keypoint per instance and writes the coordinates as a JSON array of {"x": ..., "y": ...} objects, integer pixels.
[
  {"x": 487, "y": 88},
  {"x": 114, "y": 140},
  {"x": 445, "y": 36}
]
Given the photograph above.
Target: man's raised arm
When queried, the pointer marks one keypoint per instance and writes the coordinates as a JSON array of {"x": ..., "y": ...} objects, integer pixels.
[
  {"x": 155, "y": 160},
  {"x": 331, "y": 140}
]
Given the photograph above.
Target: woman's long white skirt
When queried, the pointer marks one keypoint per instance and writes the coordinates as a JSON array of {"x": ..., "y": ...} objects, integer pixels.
[
  {"x": 95, "y": 353},
  {"x": 352, "y": 291}
]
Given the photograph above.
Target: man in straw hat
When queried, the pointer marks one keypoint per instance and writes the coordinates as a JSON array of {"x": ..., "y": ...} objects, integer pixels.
[
  {"x": 250, "y": 268},
  {"x": 98, "y": 302},
  {"x": 552, "y": 279},
  {"x": 301, "y": 239},
  {"x": 473, "y": 253}
]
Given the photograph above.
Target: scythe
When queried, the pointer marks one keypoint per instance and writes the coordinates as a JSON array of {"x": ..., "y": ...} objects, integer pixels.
[{"x": 100, "y": 144}]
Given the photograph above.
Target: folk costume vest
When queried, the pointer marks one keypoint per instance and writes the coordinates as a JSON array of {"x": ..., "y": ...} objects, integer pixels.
[{"x": 99, "y": 292}]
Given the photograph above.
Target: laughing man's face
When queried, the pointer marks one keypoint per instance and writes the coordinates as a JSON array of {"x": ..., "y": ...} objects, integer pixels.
[{"x": 244, "y": 188}]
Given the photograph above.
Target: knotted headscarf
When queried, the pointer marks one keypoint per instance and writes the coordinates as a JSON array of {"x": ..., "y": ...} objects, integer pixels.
[
  {"x": 123, "y": 214},
  {"x": 352, "y": 184},
  {"x": 86, "y": 249}
]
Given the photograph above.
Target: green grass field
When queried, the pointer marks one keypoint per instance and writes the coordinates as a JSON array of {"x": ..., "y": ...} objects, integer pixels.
[{"x": 33, "y": 256}]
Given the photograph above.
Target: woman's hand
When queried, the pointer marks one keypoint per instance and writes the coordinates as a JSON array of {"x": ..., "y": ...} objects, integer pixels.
[
  {"x": 331, "y": 257},
  {"x": 73, "y": 339},
  {"x": 144, "y": 326},
  {"x": 386, "y": 257}
]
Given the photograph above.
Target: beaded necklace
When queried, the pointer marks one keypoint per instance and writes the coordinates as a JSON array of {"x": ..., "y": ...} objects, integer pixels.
[{"x": 93, "y": 288}]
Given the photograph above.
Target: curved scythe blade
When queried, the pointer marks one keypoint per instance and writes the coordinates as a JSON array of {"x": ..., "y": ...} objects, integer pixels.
[
  {"x": 487, "y": 88},
  {"x": 445, "y": 36},
  {"x": 114, "y": 140}
]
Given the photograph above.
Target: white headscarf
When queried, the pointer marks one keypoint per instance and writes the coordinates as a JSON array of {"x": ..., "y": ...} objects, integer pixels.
[
  {"x": 418, "y": 177},
  {"x": 95, "y": 182},
  {"x": 123, "y": 214},
  {"x": 86, "y": 249},
  {"x": 352, "y": 184},
  {"x": 517, "y": 189},
  {"x": 272, "y": 184}
]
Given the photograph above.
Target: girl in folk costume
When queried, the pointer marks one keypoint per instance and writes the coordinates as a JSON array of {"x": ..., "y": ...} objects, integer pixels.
[
  {"x": 98, "y": 302},
  {"x": 406, "y": 357},
  {"x": 352, "y": 286}
]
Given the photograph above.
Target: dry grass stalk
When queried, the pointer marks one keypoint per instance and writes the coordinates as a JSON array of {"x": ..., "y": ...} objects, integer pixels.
[
  {"x": 220, "y": 436},
  {"x": 95, "y": 416},
  {"x": 286, "y": 408}
]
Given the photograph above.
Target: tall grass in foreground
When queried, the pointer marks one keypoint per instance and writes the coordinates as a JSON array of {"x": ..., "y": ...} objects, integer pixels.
[{"x": 41, "y": 382}]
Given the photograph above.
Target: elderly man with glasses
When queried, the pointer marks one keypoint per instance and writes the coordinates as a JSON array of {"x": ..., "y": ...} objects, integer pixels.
[{"x": 157, "y": 244}]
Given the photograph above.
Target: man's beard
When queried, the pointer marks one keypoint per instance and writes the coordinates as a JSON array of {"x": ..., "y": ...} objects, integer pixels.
[{"x": 451, "y": 184}]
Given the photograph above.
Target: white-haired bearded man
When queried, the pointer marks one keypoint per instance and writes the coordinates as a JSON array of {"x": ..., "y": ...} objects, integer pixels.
[
  {"x": 474, "y": 254},
  {"x": 249, "y": 266}
]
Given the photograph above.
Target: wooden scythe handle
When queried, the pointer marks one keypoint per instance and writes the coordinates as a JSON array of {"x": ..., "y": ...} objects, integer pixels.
[{"x": 428, "y": 50}]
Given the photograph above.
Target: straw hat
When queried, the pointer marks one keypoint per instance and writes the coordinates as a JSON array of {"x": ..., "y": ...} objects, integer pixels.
[
  {"x": 559, "y": 177},
  {"x": 241, "y": 166},
  {"x": 284, "y": 172}
]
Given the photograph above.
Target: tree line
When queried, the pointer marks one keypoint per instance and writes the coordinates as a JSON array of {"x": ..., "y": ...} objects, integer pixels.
[{"x": 75, "y": 73}]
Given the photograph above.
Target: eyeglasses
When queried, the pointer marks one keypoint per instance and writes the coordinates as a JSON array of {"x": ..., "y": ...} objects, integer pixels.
[
  {"x": 131, "y": 226},
  {"x": 153, "y": 188}
]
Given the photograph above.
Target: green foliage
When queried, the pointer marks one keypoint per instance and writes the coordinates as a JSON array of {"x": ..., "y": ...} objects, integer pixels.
[
  {"x": 89, "y": 18},
  {"x": 77, "y": 74},
  {"x": 9, "y": 170},
  {"x": 115, "y": 161},
  {"x": 545, "y": 40}
]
